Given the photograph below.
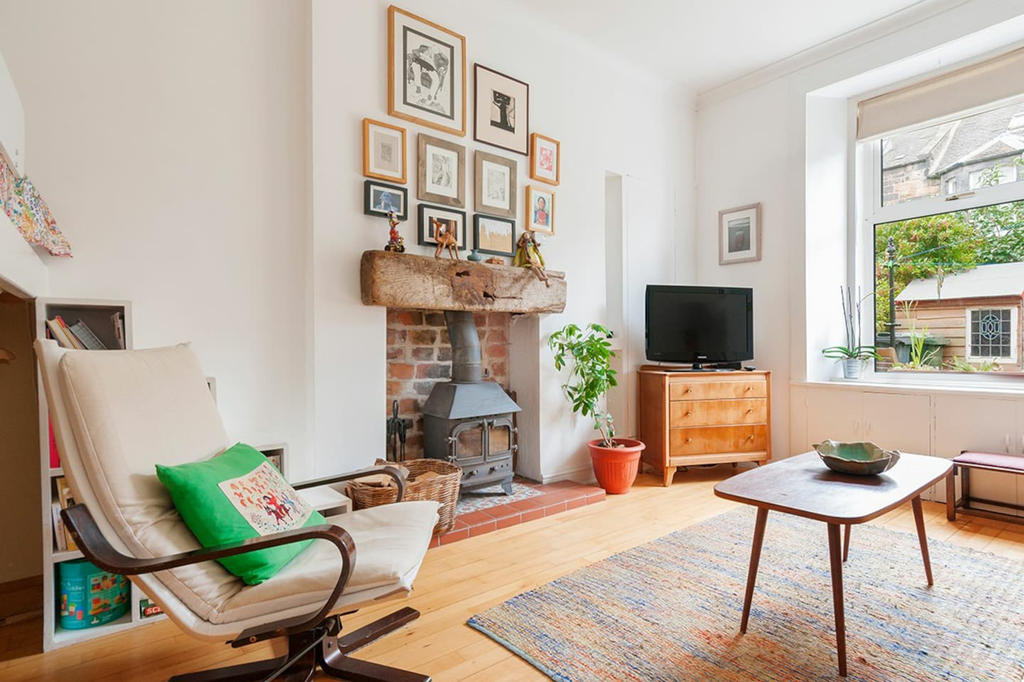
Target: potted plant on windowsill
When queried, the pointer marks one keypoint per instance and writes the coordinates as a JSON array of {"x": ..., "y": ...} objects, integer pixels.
[
  {"x": 854, "y": 353},
  {"x": 587, "y": 353}
]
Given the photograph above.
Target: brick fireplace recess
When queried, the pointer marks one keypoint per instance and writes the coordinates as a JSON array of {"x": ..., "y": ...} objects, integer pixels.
[
  {"x": 448, "y": 380},
  {"x": 419, "y": 356}
]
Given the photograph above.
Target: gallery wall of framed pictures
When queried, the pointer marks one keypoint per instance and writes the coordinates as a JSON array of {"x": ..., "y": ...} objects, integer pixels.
[{"x": 426, "y": 79}]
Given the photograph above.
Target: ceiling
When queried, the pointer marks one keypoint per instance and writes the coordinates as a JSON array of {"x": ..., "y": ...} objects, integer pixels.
[{"x": 703, "y": 43}]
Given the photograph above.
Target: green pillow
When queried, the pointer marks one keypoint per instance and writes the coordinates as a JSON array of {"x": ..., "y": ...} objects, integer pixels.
[{"x": 238, "y": 495}]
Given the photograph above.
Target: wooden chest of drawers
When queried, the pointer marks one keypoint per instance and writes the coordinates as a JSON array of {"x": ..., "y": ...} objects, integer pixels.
[{"x": 690, "y": 418}]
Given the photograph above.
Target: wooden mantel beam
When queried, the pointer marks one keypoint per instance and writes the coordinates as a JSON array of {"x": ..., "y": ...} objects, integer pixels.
[{"x": 403, "y": 280}]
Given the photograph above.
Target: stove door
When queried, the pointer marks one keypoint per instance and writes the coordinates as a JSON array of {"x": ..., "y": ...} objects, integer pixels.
[
  {"x": 468, "y": 443},
  {"x": 500, "y": 438}
]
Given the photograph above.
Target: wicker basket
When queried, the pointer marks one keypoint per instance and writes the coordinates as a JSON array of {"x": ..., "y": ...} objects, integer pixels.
[{"x": 443, "y": 488}]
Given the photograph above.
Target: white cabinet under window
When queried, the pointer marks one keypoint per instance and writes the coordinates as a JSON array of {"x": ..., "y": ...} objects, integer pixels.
[
  {"x": 940, "y": 423},
  {"x": 987, "y": 425}
]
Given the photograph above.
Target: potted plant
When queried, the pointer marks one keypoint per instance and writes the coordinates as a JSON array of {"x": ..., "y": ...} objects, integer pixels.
[
  {"x": 854, "y": 353},
  {"x": 587, "y": 353}
]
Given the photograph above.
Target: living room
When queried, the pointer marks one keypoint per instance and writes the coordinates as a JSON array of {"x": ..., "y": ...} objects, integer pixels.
[{"x": 275, "y": 184}]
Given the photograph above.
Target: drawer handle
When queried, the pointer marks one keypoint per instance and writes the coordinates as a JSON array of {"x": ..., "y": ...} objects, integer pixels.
[
  {"x": 688, "y": 413},
  {"x": 688, "y": 389},
  {"x": 750, "y": 410},
  {"x": 747, "y": 388},
  {"x": 750, "y": 437},
  {"x": 689, "y": 440}
]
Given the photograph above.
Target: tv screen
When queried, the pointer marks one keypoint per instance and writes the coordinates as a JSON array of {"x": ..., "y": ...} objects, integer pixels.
[{"x": 699, "y": 324}]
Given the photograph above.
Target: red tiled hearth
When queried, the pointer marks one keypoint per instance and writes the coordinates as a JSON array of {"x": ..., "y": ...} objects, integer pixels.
[{"x": 554, "y": 498}]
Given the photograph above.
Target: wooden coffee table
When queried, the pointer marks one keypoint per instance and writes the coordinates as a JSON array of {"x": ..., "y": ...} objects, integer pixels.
[{"x": 804, "y": 486}]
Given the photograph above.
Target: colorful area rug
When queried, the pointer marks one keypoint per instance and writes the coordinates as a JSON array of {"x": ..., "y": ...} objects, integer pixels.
[
  {"x": 492, "y": 497},
  {"x": 670, "y": 610}
]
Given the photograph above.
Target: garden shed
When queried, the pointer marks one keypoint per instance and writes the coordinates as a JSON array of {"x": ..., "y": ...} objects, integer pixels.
[{"x": 977, "y": 312}]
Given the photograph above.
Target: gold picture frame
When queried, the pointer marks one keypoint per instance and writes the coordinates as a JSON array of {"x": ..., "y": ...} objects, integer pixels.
[
  {"x": 426, "y": 72},
  {"x": 441, "y": 166},
  {"x": 540, "y": 217},
  {"x": 545, "y": 165},
  {"x": 375, "y": 164},
  {"x": 494, "y": 184}
]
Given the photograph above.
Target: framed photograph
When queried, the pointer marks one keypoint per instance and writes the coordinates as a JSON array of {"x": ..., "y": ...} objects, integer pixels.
[
  {"x": 435, "y": 218},
  {"x": 545, "y": 158},
  {"x": 383, "y": 151},
  {"x": 380, "y": 198},
  {"x": 426, "y": 72},
  {"x": 442, "y": 171},
  {"x": 739, "y": 235},
  {"x": 494, "y": 235},
  {"x": 501, "y": 110},
  {"x": 540, "y": 209},
  {"x": 494, "y": 187}
]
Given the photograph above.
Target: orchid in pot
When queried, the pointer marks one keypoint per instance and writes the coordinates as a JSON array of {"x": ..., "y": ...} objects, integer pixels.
[
  {"x": 587, "y": 354},
  {"x": 854, "y": 353}
]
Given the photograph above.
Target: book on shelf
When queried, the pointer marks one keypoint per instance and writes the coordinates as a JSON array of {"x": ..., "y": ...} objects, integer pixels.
[
  {"x": 75, "y": 343},
  {"x": 59, "y": 533},
  {"x": 65, "y": 500},
  {"x": 57, "y": 333},
  {"x": 54, "y": 454},
  {"x": 117, "y": 319},
  {"x": 81, "y": 331}
]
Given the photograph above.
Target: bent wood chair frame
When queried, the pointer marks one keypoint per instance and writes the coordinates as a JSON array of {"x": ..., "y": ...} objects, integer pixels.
[{"x": 313, "y": 641}]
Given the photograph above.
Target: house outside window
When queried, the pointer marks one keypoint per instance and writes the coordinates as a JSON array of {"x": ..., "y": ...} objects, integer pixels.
[{"x": 950, "y": 197}]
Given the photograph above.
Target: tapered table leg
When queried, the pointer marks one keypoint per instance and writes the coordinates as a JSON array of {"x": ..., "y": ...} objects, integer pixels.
[
  {"x": 836, "y": 564},
  {"x": 755, "y": 557},
  {"x": 846, "y": 542},
  {"x": 922, "y": 538}
]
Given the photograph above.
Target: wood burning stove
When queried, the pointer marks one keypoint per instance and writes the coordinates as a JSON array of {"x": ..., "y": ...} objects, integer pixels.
[{"x": 468, "y": 421}]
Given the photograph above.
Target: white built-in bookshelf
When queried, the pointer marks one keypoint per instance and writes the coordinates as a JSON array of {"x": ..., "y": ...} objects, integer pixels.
[{"x": 97, "y": 315}]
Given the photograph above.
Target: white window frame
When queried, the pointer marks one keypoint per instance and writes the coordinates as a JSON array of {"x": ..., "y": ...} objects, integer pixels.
[
  {"x": 1014, "y": 332},
  {"x": 870, "y": 211}
]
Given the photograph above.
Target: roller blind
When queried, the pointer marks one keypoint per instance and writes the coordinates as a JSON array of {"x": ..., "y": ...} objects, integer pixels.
[{"x": 967, "y": 88}]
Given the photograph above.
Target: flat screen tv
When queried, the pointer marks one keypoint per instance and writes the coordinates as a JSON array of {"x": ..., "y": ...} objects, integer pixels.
[{"x": 699, "y": 325}]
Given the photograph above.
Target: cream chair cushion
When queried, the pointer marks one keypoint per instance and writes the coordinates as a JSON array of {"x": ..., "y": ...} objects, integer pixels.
[{"x": 130, "y": 410}]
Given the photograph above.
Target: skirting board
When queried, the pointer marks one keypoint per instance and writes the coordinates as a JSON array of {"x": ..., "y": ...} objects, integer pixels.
[{"x": 583, "y": 474}]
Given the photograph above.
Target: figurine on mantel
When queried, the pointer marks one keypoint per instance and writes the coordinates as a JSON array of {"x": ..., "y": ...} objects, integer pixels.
[
  {"x": 528, "y": 255},
  {"x": 395, "y": 243},
  {"x": 444, "y": 233}
]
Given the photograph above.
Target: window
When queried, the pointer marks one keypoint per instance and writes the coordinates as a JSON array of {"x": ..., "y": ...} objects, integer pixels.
[
  {"x": 991, "y": 333},
  {"x": 946, "y": 240}
]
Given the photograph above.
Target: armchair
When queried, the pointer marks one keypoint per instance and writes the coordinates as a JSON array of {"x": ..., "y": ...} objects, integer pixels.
[{"x": 116, "y": 414}]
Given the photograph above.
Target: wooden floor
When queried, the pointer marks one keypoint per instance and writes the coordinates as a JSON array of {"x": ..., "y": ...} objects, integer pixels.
[{"x": 463, "y": 578}]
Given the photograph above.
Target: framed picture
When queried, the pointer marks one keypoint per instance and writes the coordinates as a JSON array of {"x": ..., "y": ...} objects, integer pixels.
[
  {"x": 739, "y": 234},
  {"x": 442, "y": 171},
  {"x": 501, "y": 110},
  {"x": 383, "y": 151},
  {"x": 494, "y": 235},
  {"x": 426, "y": 72},
  {"x": 494, "y": 186},
  {"x": 435, "y": 218},
  {"x": 379, "y": 198},
  {"x": 540, "y": 209},
  {"x": 545, "y": 158}
]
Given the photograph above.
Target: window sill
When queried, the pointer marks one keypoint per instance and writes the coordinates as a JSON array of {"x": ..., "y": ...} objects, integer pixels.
[{"x": 967, "y": 383}]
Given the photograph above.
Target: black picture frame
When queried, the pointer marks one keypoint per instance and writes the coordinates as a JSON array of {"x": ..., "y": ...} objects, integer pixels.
[
  {"x": 425, "y": 238},
  {"x": 368, "y": 209},
  {"x": 519, "y": 139},
  {"x": 477, "y": 217}
]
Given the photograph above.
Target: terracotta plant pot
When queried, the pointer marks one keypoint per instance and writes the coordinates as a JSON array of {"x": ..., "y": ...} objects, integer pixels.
[{"x": 616, "y": 468}]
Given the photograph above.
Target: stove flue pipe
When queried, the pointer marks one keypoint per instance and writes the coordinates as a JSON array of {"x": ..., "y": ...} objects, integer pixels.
[{"x": 465, "y": 346}]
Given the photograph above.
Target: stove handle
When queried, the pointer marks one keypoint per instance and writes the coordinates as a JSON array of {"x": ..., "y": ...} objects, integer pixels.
[{"x": 451, "y": 449}]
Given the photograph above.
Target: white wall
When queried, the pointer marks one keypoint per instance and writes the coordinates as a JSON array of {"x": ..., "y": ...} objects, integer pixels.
[
  {"x": 171, "y": 140},
  {"x": 204, "y": 158},
  {"x": 751, "y": 147},
  {"x": 607, "y": 116}
]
